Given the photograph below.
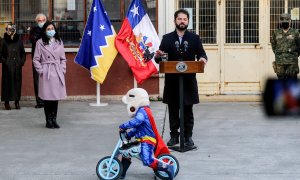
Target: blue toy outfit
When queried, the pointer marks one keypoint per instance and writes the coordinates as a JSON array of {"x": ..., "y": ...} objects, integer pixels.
[{"x": 141, "y": 129}]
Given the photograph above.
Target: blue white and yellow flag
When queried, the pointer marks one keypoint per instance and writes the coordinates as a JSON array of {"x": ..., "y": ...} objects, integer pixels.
[{"x": 97, "y": 50}]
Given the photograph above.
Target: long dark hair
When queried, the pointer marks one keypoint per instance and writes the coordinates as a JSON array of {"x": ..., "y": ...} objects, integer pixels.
[{"x": 45, "y": 38}]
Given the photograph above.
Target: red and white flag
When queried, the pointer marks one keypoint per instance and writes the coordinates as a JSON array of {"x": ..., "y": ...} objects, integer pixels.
[{"x": 137, "y": 41}]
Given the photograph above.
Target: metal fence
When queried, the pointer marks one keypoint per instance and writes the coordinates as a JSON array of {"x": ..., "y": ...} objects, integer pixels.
[
  {"x": 203, "y": 18},
  {"x": 241, "y": 20}
]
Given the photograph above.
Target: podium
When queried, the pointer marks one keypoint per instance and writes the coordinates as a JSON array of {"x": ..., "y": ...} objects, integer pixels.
[{"x": 180, "y": 68}]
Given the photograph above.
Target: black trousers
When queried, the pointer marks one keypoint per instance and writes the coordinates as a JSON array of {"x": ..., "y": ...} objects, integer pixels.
[
  {"x": 50, "y": 109},
  {"x": 174, "y": 120},
  {"x": 35, "y": 74}
]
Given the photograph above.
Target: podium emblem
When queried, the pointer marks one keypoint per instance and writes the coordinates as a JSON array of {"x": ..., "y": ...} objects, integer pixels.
[{"x": 181, "y": 67}]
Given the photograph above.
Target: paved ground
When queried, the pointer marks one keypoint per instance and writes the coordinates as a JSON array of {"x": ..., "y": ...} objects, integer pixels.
[{"x": 236, "y": 142}]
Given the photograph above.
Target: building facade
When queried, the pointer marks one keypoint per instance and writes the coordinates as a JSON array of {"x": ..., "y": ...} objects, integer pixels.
[{"x": 235, "y": 33}]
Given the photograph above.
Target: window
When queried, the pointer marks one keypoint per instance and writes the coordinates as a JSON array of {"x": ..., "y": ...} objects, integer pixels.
[
  {"x": 202, "y": 19},
  {"x": 293, "y": 4},
  {"x": 251, "y": 20},
  {"x": 208, "y": 21},
  {"x": 278, "y": 7},
  {"x": 5, "y": 11},
  {"x": 68, "y": 15},
  {"x": 242, "y": 22},
  {"x": 69, "y": 18}
]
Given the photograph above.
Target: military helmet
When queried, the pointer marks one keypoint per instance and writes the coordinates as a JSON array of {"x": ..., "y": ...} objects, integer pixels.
[{"x": 285, "y": 17}]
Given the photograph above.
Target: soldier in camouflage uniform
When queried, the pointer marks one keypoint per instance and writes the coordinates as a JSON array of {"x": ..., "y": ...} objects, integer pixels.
[{"x": 286, "y": 47}]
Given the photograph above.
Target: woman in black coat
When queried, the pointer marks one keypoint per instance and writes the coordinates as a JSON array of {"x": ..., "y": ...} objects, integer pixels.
[{"x": 13, "y": 58}]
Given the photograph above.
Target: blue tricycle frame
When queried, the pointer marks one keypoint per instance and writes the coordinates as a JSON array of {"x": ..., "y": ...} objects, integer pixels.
[{"x": 110, "y": 167}]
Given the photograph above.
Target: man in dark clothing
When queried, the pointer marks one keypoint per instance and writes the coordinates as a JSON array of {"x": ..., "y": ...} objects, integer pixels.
[
  {"x": 181, "y": 45},
  {"x": 35, "y": 34}
]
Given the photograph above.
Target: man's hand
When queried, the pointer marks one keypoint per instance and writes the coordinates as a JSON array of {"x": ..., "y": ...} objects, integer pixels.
[
  {"x": 159, "y": 53},
  {"x": 204, "y": 60}
]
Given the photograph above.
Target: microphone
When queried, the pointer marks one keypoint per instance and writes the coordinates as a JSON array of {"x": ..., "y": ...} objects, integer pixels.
[
  {"x": 177, "y": 45},
  {"x": 185, "y": 45}
]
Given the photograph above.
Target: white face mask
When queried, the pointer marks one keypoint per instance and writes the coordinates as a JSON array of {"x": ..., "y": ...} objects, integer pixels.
[
  {"x": 11, "y": 30},
  {"x": 41, "y": 24},
  {"x": 50, "y": 33}
]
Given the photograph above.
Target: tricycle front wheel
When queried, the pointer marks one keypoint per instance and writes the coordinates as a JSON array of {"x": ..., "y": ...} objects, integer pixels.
[{"x": 112, "y": 172}]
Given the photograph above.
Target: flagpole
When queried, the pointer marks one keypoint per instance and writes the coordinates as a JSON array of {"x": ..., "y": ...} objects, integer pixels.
[
  {"x": 98, "y": 103},
  {"x": 134, "y": 83}
]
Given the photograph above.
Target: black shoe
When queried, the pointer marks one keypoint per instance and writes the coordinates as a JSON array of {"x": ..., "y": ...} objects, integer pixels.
[
  {"x": 125, "y": 163},
  {"x": 39, "y": 106},
  {"x": 49, "y": 125},
  {"x": 17, "y": 104},
  {"x": 173, "y": 141},
  {"x": 7, "y": 106},
  {"x": 169, "y": 169},
  {"x": 52, "y": 118},
  {"x": 54, "y": 123},
  {"x": 189, "y": 141}
]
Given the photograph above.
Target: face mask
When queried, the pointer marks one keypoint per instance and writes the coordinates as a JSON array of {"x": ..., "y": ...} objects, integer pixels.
[
  {"x": 50, "y": 33},
  {"x": 11, "y": 30},
  {"x": 285, "y": 25},
  {"x": 40, "y": 25}
]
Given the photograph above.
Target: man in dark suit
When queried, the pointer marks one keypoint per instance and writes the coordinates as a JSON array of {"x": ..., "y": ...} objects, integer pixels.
[
  {"x": 181, "y": 45},
  {"x": 35, "y": 35}
]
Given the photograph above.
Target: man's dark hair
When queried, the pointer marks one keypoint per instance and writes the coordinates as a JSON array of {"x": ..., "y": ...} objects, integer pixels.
[{"x": 183, "y": 11}]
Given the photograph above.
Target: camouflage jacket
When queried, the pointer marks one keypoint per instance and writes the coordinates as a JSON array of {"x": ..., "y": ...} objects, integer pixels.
[{"x": 286, "y": 46}]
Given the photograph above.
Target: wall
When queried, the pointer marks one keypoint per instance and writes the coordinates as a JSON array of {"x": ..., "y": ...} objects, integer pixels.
[{"x": 118, "y": 81}]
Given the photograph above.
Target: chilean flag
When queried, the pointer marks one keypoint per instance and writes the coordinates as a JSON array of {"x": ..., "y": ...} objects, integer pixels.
[
  {"x": 137, "y": 41},
  {"x": 161, "y": 147}
]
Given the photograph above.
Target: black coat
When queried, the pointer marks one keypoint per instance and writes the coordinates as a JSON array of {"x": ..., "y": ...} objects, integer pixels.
[
  {"x": 35, "y": 35},
  {"x": 13, "y": 58},
  {"x": 192, "y": 50}
]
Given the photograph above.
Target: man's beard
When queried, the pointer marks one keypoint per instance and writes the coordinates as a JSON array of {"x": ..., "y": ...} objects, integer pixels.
[{"x": 180, "y": 27}]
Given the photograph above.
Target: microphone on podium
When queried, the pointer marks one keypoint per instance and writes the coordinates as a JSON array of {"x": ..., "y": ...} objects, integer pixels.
[
  {"x": 177, "y": 45},
  {"x": 185, "y": 45}
]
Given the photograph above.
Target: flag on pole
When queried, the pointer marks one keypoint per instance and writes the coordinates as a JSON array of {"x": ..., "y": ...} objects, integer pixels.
[
  {"x": 137, "y": 41},
  {"x": 97, "y": 51}
]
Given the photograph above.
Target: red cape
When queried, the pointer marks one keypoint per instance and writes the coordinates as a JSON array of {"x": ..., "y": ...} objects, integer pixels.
[{"x": 161, "y": 147}]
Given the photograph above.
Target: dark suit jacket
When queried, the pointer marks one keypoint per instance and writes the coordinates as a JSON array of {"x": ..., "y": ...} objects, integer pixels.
[
  {"x": 35, "y": 35},
  {"x": 193, "y": 51}
]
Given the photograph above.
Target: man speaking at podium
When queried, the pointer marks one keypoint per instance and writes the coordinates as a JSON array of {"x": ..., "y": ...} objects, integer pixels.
[{"x": 181, "y": 45}]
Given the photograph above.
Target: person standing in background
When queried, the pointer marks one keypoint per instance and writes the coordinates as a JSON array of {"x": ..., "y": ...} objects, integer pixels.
[
  {"x": 50, "y": 63},
  {"x": 181, "y": 45},
  {"x": 13, "y": 59},
  {"x": 35, "y": 35},
  {"x": 286, "y": 47}
]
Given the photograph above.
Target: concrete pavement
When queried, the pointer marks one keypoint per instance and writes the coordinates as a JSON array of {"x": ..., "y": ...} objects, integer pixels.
[{"x": 235, "y": 142}]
